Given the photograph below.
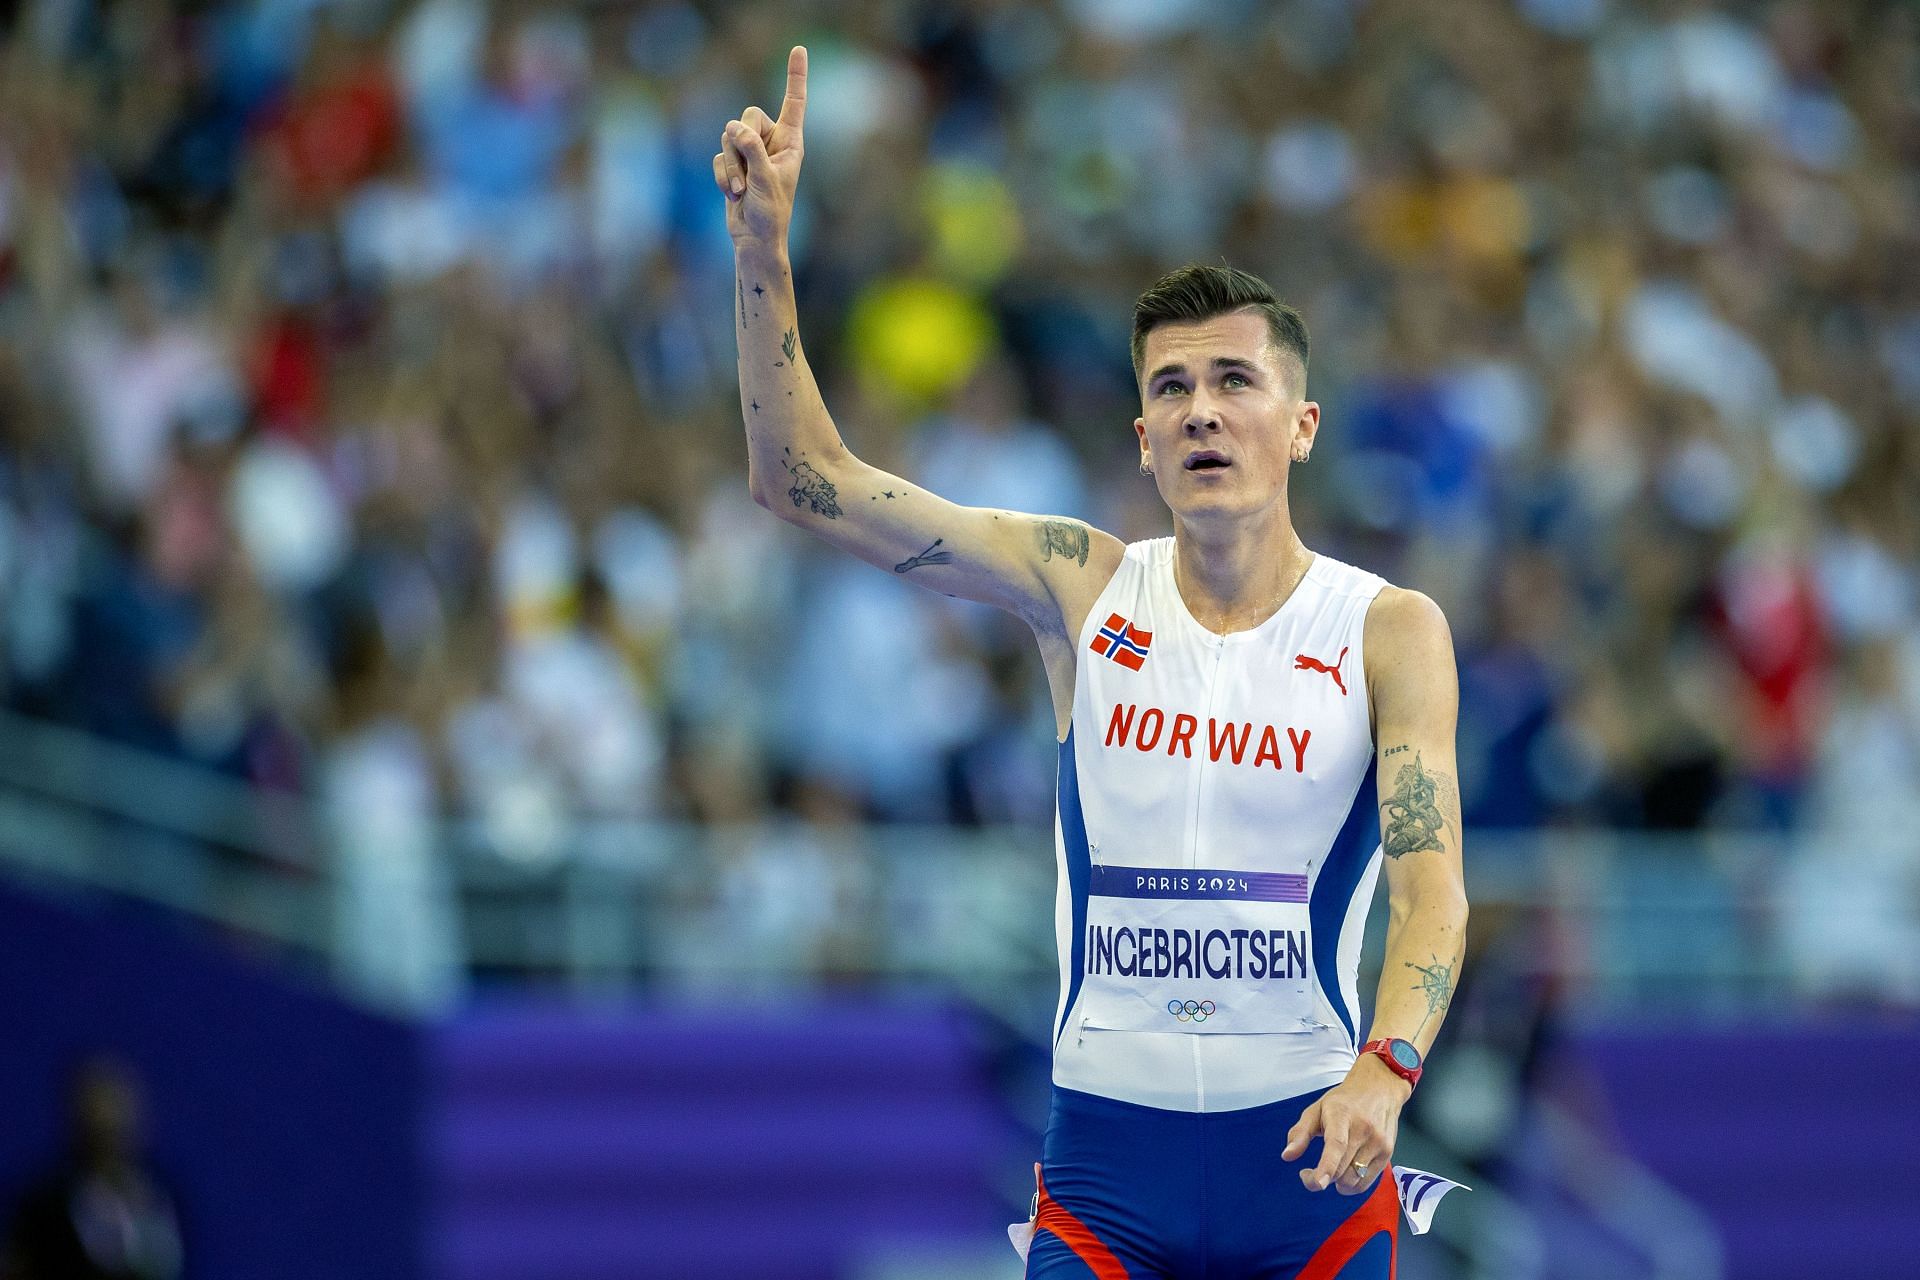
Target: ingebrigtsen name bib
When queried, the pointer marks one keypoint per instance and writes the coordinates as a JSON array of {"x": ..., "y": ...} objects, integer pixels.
[{"x": 1214, "y": 950}]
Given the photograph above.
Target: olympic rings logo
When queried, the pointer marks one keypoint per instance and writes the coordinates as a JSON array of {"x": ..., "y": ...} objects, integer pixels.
[{"x": 1190, "y": 1010}]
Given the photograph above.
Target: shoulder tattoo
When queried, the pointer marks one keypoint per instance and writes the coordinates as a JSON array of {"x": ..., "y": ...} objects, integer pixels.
[{"x": 1064, "y": 538}]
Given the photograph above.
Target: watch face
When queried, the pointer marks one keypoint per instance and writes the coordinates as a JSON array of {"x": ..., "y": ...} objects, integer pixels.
[{"x": 1405, "y": 1054}]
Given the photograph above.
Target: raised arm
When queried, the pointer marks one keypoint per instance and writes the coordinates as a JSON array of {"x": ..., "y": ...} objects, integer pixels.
[
  {"x": 1415, "y": 693},
  {"x": 798, "y": 466}
]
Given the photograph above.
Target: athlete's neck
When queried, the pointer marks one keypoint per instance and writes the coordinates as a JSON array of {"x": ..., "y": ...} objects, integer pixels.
[{"x": 1235, "y": 577}]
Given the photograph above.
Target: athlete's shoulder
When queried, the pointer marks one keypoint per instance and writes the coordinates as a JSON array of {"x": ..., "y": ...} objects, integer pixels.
[
  {"x": 1404, "y": 610},
  {"x": 1154, "y": 555},
  {"x": 1078, "y": 562},
  {"x": 1407, "y": 637},
  {"x": 1341, "y": 578}
]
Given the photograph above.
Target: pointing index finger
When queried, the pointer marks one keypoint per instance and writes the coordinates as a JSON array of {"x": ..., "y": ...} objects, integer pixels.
[{"x": 793, "y": 110}]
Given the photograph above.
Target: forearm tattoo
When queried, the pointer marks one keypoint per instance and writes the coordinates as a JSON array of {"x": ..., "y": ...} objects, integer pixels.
[
  {"x": 1063, "y": 538},
  {"x": 930, "y": 556},
  {"x": 811, "y": 489},
  {"x": 789, "y": 344},
  {"x": 1414, "y": 818},
  {"x": 1436, "y": 984}
]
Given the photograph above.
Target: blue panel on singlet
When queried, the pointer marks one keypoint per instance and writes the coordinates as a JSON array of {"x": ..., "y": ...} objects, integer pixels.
[
  {"x": 1333, "y": 891},
  {"x": 1073, "y": 832}
]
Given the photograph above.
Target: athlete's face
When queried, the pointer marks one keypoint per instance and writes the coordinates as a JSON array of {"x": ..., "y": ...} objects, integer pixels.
[{"x": 1221, "y": 415}]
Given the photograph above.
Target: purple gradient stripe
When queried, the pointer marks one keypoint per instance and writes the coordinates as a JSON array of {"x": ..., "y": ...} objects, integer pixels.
[{"x": 1187, "y": 882}]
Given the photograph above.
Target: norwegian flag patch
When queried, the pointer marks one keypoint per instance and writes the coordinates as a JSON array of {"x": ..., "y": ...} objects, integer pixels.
[{"x": 1125, "y": 643}]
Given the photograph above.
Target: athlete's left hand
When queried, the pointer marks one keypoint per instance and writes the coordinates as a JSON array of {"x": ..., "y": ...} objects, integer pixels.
[{"x": 1357, "y": 1121}]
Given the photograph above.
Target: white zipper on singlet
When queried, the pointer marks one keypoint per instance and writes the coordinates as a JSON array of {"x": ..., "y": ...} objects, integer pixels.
[
  {"x": 1203, "y": 760},
  {"x": 1202, "y": 757}
]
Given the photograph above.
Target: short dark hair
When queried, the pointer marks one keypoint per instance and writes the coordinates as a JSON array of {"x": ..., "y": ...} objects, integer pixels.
[{"x": 1201, "y": 292}]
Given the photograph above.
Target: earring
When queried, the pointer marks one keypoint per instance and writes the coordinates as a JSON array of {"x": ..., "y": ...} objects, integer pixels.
[
  {"x": 1300, "y": 456},
  {"x": 1145, "y": 470}
]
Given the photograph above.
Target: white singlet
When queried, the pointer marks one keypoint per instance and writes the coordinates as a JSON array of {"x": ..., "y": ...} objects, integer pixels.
[{"x": 1218, "y": 844}]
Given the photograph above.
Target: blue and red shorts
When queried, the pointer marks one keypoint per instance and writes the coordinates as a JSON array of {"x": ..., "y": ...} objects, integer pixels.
[{"x": 1139, "y": 1193}]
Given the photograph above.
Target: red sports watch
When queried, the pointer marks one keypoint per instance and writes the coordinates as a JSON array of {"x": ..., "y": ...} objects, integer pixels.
[{"x": 1400, "y": 1056}]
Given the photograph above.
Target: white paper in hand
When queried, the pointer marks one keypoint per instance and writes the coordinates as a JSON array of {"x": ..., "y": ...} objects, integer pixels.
[
  {"x": 1420, "y": 1194},
  {"x": 1021, "y": 1233}
]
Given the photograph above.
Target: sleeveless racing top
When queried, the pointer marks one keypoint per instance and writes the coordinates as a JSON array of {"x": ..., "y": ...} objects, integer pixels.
[{"x": 1217, "y": 834}]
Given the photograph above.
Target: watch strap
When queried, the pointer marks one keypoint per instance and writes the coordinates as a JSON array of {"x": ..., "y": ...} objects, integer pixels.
[{"x": 1383, "y": 1049}]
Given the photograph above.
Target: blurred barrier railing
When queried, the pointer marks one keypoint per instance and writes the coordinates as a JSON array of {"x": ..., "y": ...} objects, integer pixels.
[
  {"x": 92, "y": 774},
  {"x": 82, "y": 809},
  {"x": 1627, "y": 921}
]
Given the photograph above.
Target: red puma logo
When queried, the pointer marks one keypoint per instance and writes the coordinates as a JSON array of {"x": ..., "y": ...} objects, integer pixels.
[{"x": 1301, "y": 662}]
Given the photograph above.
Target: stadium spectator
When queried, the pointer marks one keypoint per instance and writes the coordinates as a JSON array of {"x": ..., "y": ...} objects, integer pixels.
[{"x": 104, "y": 1214}]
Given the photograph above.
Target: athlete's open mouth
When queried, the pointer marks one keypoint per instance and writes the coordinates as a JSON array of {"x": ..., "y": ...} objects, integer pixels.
[{"x": 1206, "y": 458}]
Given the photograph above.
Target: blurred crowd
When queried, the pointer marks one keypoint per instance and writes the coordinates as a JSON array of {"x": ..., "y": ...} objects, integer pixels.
[{"x": 368, "y": 422}]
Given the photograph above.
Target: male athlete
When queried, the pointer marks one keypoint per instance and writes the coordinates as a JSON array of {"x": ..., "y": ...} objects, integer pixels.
[{"x": 1225, "y": 699}]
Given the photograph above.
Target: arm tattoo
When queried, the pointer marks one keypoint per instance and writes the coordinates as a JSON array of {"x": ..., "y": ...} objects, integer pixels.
[
  {"x": 789, "y": 344},
  {"x": 1436, "y": 984},
  {"x": 1063, "y": 538},
  {"x": 810, "y": 488},
  {"x": 1413, "y": 812},
  {"x": 929, "y": 556},
  {"x": 740, "y": 292}
]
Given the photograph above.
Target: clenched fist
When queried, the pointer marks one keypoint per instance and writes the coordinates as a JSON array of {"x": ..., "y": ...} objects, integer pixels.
[{"x": 758, "y": 165}]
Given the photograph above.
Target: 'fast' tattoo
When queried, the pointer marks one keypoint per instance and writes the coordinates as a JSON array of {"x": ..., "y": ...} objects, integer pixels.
[
  {"x": 1436, "y": 984},
  {"x": 1413, "y": 813},
  {"x": 929, "y": 556},
  {"x": 1063, "y": 538},
  {"x": 810, "y": 488}
]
